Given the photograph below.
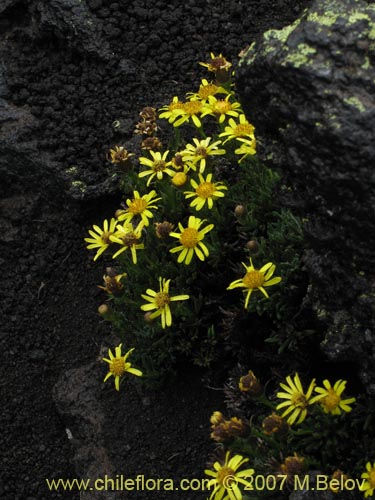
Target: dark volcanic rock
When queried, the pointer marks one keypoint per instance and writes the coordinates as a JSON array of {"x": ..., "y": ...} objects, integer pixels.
[
  {"x": 72, "y": 21},
  {"x": 309, "y": 89}
]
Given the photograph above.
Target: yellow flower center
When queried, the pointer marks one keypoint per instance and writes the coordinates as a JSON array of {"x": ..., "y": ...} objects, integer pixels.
[
  {"x": 299, "y": 400},
  {"x": 372, "y": 478},
  {"x": 189, "y": 238},
  {"x": 331, "y": 401},
  {"x": 225, "y": 476},
  {"x": 162, "y": 299},
  {"x": 222, "y": 106},
  {"x": 105, "y": 237},
  {"x": 205, "y": 190},
  {"x": 159, "y": 166},
  {"x": 137, "y": 206},
  {"x": 130, "y": 239},
  {"x": 253, "y": 279},
  {"x": 192, "y": 107},
  {"x": 117, "y": 366},
  {"x": 206, "y": 90},
  {"x": 201, "y": 151},
  {"x": 243, "y": 129}
]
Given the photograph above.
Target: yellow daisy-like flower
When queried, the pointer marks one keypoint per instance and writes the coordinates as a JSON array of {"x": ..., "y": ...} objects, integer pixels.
[
  {"x": 221, "y": 108},
  {"x": 205, "y": 192},
  {"x": 226, "y": 478},
  {"x": 197, "y": 153},
  {"x": 190, "y": 110},
  {"x": 158, "y": 166},
  {"x": 256, "y": 279},
  {"x": 160, "y": 301},
  {"x": 118, "y": 365},
  {"x": 297, "y": 400},
  {"x": 240, "y": 129},
  {"x": 140, "y": 206},
  {"x": 331, "y": 401},
  {"x": 205, "y": 90},
  {"x": 128, "y": 237},
  {"x": 369, "y": 485},
  {"x": 191, "y": 240},
  {"x": 248, "y": 148},
  {"x": 169, "y": 112},
  {"x": 217, "y": 63},
  {"x": 100, "y": 238}
]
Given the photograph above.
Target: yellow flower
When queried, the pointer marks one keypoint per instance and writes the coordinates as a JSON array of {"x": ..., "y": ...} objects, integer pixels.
[
  {"x": 160, "y": 301},
  {"x": 369, "y": 485},
  {"x": 140, "y": 206},
  {"x": 236, "y": 130},
  {"x": 198, "y": 152},
  {"x": 157, "y": 166},
  {"x": 128, "y": 237},
  {"x": 118, "y": 365},
  {"x": 191, "y": 240},
  {"x": 206, "y": 191},
  {"x": 189, "y": 110},
  {"x": 217, "y": 63},
  {"x": 221, "y": 108},
  {"x": 101, "y": 238},
  {"x": 255, "y": 279},
  {"x": 226, "y": 478},
  {"x": 332, "y": 402},
  {"x": 170, "y": 111},
  {"x": 205, "y": 90},
  {"x": 296, "y": 399},
  {"x": 248, "y": 148}
]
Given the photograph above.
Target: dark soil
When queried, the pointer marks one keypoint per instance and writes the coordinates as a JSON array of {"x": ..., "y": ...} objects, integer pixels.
[{"x": 75, "y": 89}]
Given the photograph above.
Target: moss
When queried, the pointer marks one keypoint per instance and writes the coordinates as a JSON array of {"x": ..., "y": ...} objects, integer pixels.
[
  {"x": 79, "y": 185},
  {"x": 282, "y": 34},
  {"x": 366, "y": 64},
  {"x": 248, "y": 55},
  {"x": 327, "y": 19},
  {"x": 355, "y": 102},
  {"x": 300, "y": 56}
]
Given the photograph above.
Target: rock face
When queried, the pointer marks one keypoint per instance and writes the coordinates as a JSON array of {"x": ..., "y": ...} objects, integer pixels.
[{"x": 309, "y": 88}]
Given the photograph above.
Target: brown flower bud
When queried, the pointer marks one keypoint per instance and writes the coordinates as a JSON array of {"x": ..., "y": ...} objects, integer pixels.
[
  {"x": 274, "y": 424},
  {"x": 147, "y": 317},
  {"x": 240, "y": 210},
  {"x": 152, "y": 143},
  {"x": 250, "y": 384},
  {"x": 253, "y": 246},
  {"x": 163, "y": 229},
  {"x": 293, "y": 466}
]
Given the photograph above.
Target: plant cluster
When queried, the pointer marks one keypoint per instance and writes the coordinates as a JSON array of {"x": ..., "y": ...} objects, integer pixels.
[
  {"x": 207, "y": 262},
  {"x": 288, "y": 432},
  {"x": 199, "y": 219}
]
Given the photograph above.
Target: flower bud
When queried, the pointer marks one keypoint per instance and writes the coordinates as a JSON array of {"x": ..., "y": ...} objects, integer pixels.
[
  {"x": 274, "y": 424},
  {"x": 240, "y": 210},
  {"x": 147, "y": 317},
  {"x": 250, "y": 384},
  {"x": 179, "y": 179},
  {"x": 253, "y": 246},
  {"x": 105, "y": 311}
]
